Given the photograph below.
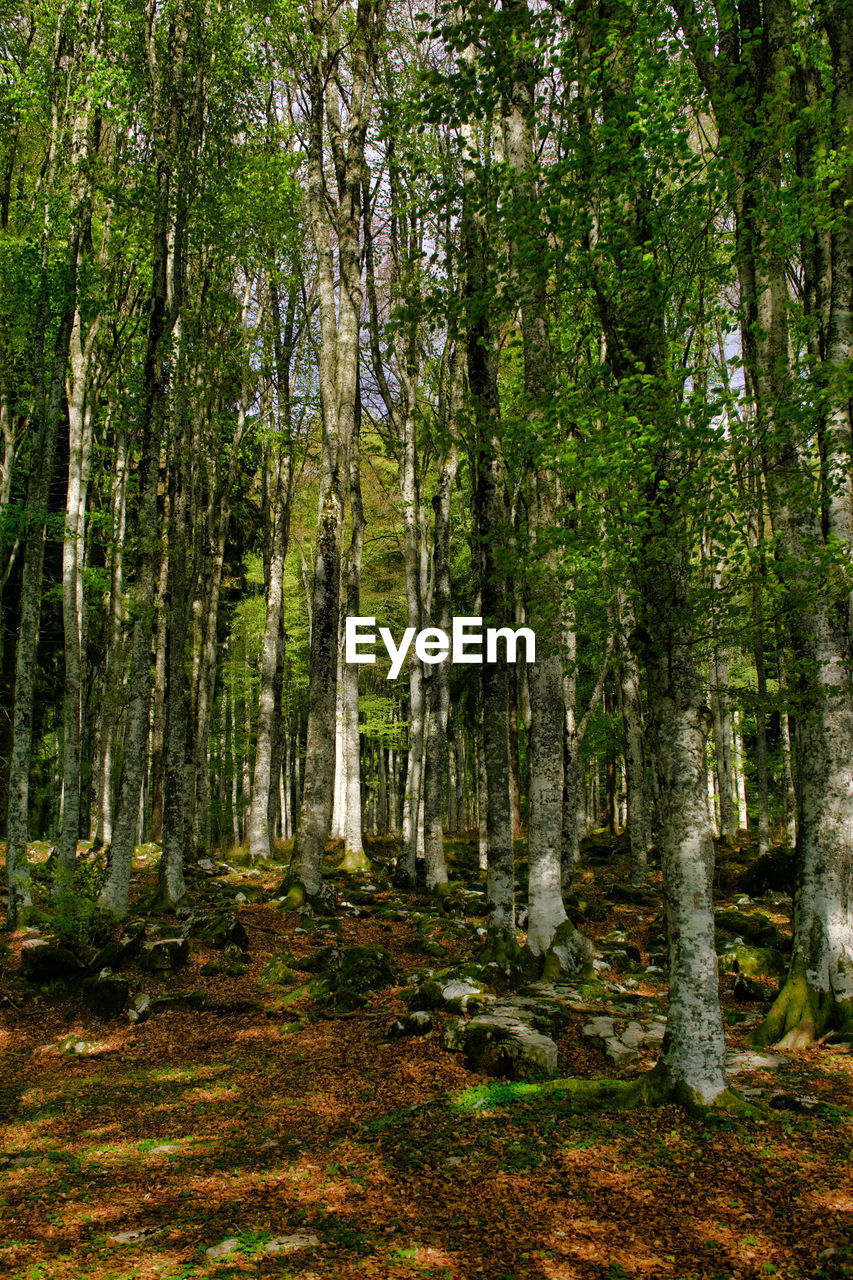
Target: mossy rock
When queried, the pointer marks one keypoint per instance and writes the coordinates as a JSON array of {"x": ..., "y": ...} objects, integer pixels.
[
  {"x": 763, "y": 962},
  {"x": 757, "y": 930},
  {"x": 427, "y": 947},
  {"x": 278, "y": 971},
  {"x": 570, "y": 955},
  {"x": 776, "y": 870},
  {"x": 106, "y": 994},
  {"x": 429, "y": 996},
  {"x": 344, "y": 977},
  {"x": 364, "y": 968}
]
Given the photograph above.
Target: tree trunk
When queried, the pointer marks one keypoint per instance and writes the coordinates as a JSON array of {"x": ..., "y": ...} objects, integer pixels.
[
  {"x": 437, "y": 682},
  {"x": 635, "y": 764},
  {"x": 339, "y": 345},
  {"x": 354, "y": 858},
  {"x": 80, "y": 428},
  {"x": 723, "y": 744}
]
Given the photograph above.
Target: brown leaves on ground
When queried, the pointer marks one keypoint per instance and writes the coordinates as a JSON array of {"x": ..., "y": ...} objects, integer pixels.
[{"x": 196, "y": 1128}]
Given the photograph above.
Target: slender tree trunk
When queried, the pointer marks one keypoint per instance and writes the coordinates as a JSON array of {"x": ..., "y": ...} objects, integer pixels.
[
  {"x": 635, "y": 763},
  {"x": 339, "y": 345},
  {"x": 723, "y": 744},
  {"x": 355, "y": 859},
  {"x": 271, "y": 660},
  {"x": 80, "y": 427},
  {"x": 405, "y": 871},
  {"x": 162, "y": 316},
  {"x": 113, "y": 662},
  {"x": 48, "y": 413},
  {"x": 437, "y": 682}
]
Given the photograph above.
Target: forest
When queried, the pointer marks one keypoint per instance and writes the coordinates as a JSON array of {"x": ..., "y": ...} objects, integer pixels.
[{"x": 426, "y": 638}]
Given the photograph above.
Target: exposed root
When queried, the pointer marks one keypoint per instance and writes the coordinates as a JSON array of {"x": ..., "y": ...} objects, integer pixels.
[
  {"x": 652, "y": 1089},
  {"x": 800, "y": 1013},
  {"x": 356, "y": 862}
]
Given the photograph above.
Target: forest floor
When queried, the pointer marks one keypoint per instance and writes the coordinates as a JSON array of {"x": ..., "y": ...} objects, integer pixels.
[{"x": 231, "y": 1141}]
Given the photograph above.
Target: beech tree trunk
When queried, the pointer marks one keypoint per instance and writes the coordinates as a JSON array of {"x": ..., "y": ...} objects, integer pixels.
[
  {"x": 355, "y": 859},
  {"x": 437, "y": 681},
  {"x": 339, "y": 347}
]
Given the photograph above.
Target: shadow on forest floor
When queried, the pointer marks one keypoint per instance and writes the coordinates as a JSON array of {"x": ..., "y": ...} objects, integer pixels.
[{"x": 294, "y": 1143}]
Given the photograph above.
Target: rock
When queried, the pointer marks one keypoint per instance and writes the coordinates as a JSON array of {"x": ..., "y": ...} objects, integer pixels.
[
  {"x": 23, "y": 1160},
  {"x": 543, "y": 1015},
  {"x": 207, "y": 866},
  {"x": 748, "y": 1061},
  {"x": 106, "y": 994},
  {"x": 292, "y": 1243},
  {"x": 418, "y": 1023},
  {"x": 278, "y": 972},
  {"x": 140, "y": 1009},
  {"x": 633, "y": 1036},
  {"x": 803, "y": 1104},
  {"x": 222, "y": 930},
  {"x": 452, "y": 1035},
  {"x": 114, "y": 954},
  {"x": 42, "y": 961},
  {"x": 655, "y": 1033},
  {"x": 162, "y": 955},
  {"x": 177, "y": 1002},
  {"x": 505, "y": 1046},
  {"x": 362, "y": 969},
  {"x": 457, "y": 995},
  {"x": 223, "y": 1250},
  {"x": 140, "y": 1236},
  {"x": 569, "y": 955},
  {"x": 599, "y": 1029},
  {"x": 764, "y": 962},
  {"x": 776, "y": 870},
  {"x": 75, "y": 1045},
  {"x": 620, "y": 1054},
  {"x": 748, "y": 989},
  {"x": 429, "y": 995},
  {"x": 345, "y": 976}
]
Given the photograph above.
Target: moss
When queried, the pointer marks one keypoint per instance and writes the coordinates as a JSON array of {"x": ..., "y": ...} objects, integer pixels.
[
  {"x": 356, "y": 862},
  {"x": 800, "y": 1013},
  {"x": 755, "y": 961},
  {"x": 296, "y": 897},
  {"x": 278, "y": 971}
]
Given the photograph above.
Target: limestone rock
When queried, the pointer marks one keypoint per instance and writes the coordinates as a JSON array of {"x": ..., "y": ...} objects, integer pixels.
[
  {"x": 755, "y": 962},
  {"x": 505, "y": 1046},
  {"x": 42, "y": 961},
  {"x": 570, "y": 954},
  {"x": 748, "y": 989},
  {"x": 139, "y": 1236},
  {"x": 106, "y": 994},
  {"x": 222, "y": 930},
  {"x": 418, "y": 1023},
  {"x": 162, "y": 955},
  {"x": 177, "y": 1002},
  {"x": 222, "y": 1250},
  {"x": 452, "y": 1035},
  {"x": 619, "y": 1053},
  {"x": 292, "y": 1243},
  {"x": 278, "y": 971},
  {"x": 600, "y": 1029},
  {"x": 116, "y": 953},
  {"x": 140, "y": 1008}
]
